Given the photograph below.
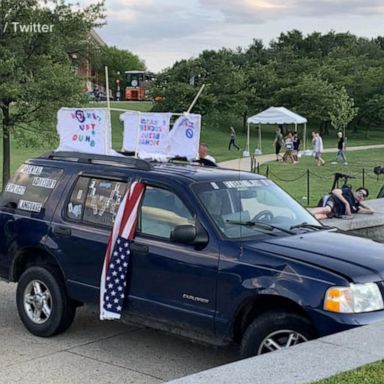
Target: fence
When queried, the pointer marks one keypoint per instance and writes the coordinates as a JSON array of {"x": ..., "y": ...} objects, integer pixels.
[{"x": 309, "y": 186}]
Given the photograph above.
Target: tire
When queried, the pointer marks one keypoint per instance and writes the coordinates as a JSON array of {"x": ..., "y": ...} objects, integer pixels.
[
  {"x": 275, "y": 330},
  {"x": 42, "y": 302}
]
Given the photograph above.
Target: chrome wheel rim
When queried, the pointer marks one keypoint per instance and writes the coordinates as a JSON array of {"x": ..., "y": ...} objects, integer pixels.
[
  {"x": 37, "y": 302},
  {"x": 279, "y": 340}
]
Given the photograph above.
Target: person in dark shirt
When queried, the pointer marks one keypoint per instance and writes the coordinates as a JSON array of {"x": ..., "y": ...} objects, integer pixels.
[
  {"x": 340, "y": 149},
  {"x": 343, "y": 202},
  {"x": 232, "y": 140}
]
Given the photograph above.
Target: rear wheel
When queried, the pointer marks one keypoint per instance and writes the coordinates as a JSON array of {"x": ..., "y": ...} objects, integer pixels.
[
  {"x": 42, "y": 302},
  {"x": 273, "y": 331}
]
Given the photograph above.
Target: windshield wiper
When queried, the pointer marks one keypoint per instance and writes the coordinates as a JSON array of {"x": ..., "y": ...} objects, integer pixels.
[
  {"x": 259, "y": 224},
  {"x": 311, "y": 226}
]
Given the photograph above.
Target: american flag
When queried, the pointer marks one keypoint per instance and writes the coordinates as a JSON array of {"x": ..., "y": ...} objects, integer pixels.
[{"x": 114, "y": 275}]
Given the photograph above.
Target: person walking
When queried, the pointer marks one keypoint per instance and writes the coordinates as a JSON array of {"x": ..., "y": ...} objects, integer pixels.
[
  {"x": 288, "y": 143},
  {"x": 340, "y": 149},
  {"x": 318, "y": 148},
  {"x": 278, "y": 142},
  {"x": 232, "y": 139},
  {"x": 296, "y": 147}
]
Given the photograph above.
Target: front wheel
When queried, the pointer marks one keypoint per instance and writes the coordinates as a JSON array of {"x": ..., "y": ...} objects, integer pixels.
[
  {"x": 42, "y": 302},
  {"x": 273, "y": 331}
]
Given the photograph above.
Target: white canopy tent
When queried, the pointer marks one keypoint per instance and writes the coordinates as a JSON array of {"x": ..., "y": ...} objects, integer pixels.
[{"x": 276, "y": 115}]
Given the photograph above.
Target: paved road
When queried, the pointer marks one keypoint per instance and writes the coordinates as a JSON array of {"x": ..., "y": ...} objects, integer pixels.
[
  {"x": 92, "y": 351},
  {"x": 244, "y": 163}
]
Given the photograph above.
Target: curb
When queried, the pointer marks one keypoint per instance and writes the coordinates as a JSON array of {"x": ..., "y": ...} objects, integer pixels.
[{"x": 304, "y": 363}]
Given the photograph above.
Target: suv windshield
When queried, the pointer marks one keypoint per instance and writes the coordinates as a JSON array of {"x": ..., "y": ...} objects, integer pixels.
[{"x": 244, "y": 208}]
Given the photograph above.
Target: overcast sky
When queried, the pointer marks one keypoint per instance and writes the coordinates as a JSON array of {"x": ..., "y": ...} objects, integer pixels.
[{"x": 163, "y": 31}]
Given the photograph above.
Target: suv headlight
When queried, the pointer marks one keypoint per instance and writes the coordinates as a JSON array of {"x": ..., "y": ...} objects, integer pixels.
[{"x": 356, "y": 298}]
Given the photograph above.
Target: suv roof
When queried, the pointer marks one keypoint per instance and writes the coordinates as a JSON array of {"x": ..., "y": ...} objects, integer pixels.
[{"x": 184, "y": 169}]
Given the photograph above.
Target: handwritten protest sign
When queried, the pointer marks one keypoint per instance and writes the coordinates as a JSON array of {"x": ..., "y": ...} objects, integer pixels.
[
  {"x": 145, "y": 133},
  {"x": 84, "y": 130}
]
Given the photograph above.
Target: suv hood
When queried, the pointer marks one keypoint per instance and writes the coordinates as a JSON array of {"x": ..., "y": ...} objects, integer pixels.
[{"x": 360, "y": 260}]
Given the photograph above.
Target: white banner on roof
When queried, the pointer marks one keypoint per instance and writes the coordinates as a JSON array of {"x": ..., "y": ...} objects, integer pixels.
[
  {"x": 85, "y": 130},
  {"x": 145, "y": 133},
  {"x": 130, "y": 120},
  {"x": 183, "y": 139}
]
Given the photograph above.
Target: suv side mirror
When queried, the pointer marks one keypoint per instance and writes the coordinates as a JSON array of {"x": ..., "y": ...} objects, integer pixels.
[
  {"x": 184, "y": 234},
  {"x": 190, "y": 234}
]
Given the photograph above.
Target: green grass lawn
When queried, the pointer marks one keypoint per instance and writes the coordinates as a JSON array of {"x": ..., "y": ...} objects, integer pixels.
[
  {"x": 369, "y": 374},
  {"x": 218, "y": 140},
  {"x": 293, "y": 178}
]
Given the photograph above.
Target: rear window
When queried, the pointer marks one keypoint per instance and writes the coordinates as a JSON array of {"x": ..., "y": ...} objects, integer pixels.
[
  {"x": 30, "y": 187},
  {"x": 95, "y": 201}
]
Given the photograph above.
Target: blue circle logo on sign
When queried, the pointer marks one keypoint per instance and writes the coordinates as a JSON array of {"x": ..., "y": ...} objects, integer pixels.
[{"x": 189, "y": 133}]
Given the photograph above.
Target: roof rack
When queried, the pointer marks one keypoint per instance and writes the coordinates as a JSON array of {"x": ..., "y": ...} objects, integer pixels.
[{"x": 90, "y": 158}]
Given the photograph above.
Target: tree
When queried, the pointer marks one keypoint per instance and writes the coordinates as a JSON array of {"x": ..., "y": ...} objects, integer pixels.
[
  {"x": 311, "y": 97},
  {"x": 343, "y": 110},
  {"x": 118, "y": 61},
  {"x": 36, "y": 73}
]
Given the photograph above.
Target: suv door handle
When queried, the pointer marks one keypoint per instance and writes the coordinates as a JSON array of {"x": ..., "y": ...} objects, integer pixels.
[
  {"x": 140, "y": 249},
  {"x": 62, "y": 231}
]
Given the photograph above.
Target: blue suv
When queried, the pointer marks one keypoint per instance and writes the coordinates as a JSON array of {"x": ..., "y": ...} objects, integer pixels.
[{"x": 219, "y": 256}]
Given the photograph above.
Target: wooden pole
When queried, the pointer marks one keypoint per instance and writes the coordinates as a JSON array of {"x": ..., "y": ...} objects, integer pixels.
[
  {"x": 107, "y": 87},
  {"x": 195, "y": 99}
]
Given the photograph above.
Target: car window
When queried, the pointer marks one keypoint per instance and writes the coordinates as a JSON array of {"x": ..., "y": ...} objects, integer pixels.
[
  {"x": 29, "y": 189},
  {"x": 234, "y": 204},
  {"x": 161, "y": 211},
  {"x": 95, "y": 201}
]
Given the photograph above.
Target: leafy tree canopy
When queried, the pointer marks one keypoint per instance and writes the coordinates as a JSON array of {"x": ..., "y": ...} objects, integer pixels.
[
  {"x": 36, "y": 72},
  {"x": 314, "y": 75}
]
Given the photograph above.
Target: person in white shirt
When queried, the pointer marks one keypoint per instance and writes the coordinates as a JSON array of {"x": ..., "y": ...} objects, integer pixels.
[
  {"x": 318, "y": 148},
  {"x": 203, "y": 154}
]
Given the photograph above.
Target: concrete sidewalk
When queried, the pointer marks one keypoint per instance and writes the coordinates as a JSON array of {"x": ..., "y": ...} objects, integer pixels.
[
  {"x": 244, "y": 163},
  {"x": 94, "y": 351}
]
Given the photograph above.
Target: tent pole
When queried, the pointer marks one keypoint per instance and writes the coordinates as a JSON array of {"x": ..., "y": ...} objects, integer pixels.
[
  {"x": 305, "y": 136},
  {"x": 260, "y": 138},
  {"x": 247, "y": 146}
]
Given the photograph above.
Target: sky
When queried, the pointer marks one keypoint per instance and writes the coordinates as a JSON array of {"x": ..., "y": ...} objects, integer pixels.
[{"x": 162, "y": 32}]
